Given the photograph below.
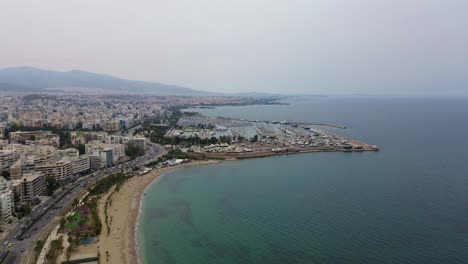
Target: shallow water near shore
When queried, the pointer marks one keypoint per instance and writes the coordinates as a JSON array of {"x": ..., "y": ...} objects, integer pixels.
[{"x": 404, "y": 204}]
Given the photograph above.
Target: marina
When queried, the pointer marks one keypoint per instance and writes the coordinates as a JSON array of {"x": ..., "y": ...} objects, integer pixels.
[{"x": 242, "y": 138}]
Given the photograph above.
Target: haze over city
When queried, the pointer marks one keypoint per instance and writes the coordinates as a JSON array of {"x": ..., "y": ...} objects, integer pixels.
[
  {"x": 221, "y": 132},
  {"x": 320, "y": 47}
]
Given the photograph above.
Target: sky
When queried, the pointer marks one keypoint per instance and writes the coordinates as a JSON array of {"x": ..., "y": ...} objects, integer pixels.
[{"x": 278, "y": 46}]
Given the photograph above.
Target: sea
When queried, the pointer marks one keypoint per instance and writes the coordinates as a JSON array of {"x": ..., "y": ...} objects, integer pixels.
[{"x": 407, "y": 203}]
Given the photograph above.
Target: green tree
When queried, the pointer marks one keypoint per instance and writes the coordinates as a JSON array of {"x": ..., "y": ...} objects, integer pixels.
[
  {"x": 52, "y": 185},
  {"x": 63, "y": 222},
  {"x": 81, "y": 148},
  {"x": 38, "y": 247},
  {"x": 255, "y": 138},
  {"x": 134, "y": 151},
  {"x": 213, "y": 140}
]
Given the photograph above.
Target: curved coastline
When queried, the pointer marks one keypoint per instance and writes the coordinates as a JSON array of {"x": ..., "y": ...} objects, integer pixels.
[{"x": 136, "y": 219}]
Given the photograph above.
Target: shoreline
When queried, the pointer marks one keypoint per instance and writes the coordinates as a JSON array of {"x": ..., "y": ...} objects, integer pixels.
[
  {"x": 211, "y": 159},
  {"x": 118, "y": 241},
  {"x": 120, "y": 238},
  {"x": 269, "y": 153},
  {"x": 136, "y": 225}
]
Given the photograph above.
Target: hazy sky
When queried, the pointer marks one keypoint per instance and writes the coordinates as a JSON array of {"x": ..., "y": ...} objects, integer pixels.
[{"x": 310, "y": 46}]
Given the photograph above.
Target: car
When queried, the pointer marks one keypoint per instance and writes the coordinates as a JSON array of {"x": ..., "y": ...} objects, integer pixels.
[
  {"x": 22, "y": 250},
  {"x": 35, "y": 228},
  {"x": 6, "y": 242},
  {"x": 10, "y": 244}
]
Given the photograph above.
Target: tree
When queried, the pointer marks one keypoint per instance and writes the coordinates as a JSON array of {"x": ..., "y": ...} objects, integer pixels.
[
  {"x": 255, "y": 138},
  {"x": 134, "y": 151},
  {"x": 225, "y": 139},
  {"x": 62, "y": 222},
  {"x": 6, "y": 175},
  {"x": 24, "y": 210},
  {"x": 81, "y": 148},
  {"x": 38, "y": 247},
  {"x": 52, "y": 185},
  {"x": 213, "y": 140}
]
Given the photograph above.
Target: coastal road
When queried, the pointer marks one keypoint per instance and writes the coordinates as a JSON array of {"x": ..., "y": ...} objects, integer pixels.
[{"x": 41, "y": 220}]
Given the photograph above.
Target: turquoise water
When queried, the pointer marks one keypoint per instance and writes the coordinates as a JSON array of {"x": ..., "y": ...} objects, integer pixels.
[{"x": 405, "y": 204}]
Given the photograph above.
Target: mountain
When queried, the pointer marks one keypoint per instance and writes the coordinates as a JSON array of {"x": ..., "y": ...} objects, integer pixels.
[{"x": 28, "y": 79}]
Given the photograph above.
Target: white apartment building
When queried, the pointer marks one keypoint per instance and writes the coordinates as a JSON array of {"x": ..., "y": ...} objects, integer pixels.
[
  {"x": 114, "y": 139},
  {"x": 16, "y": 171},
  {"x": 61, "y": 170},
  {"x": 6, "y": 201},
  {"x": 70, "y": 152},
  {"x": 7, "y": 158},
  {"x": 80, "y": 164},
  {"x": 29, "y": 187},
  {"x": 118, "y": 151}
]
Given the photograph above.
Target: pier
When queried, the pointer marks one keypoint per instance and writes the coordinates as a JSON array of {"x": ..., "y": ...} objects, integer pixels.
[
  {"x": 288, "y": 123},
  {"x": 318, "y": 124}
]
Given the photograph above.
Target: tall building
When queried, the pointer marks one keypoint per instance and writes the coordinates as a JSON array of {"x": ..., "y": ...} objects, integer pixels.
[
  {"x": 30, "y": 186},
  {"x": 16, "y": 171},
  {"x": 106, "y": 157},
  {"x": 117, "y": 151},
  {"x": 95, "y": 162},
  {"x": 80, "y": 164},
  {"x": 7, "y": 158},
  {"x": 61, "y": 170},
  {"x": 6, "y": 201},
  {"x": 137, "y": 142}
]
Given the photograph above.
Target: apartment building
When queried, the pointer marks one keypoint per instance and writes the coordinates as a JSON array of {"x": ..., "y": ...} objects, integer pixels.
[
  {"x": 29, "y": 187},
  {"x": 7, "y": 158},
  {"x": 101, "y": 149},
  {"x": 138, "y": 142},
  {"x": 80, "y": 164},
  {"x": 44, "y": 138},
  {"x": 6, "y": 201},
  {"x": 70, "y": 152},
  {"x": 61, "y": 170},
  {"x": 95, "y": 162}
]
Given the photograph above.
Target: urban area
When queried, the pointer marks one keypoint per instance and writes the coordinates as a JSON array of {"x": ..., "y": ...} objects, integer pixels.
[{"x": 59, "y": 154}]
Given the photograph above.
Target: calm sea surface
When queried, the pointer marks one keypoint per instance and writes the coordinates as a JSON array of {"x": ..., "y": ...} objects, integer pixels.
[{"x": 407, "y": 203}]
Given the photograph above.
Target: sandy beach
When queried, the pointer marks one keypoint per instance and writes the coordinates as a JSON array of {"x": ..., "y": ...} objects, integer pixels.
[{"x": 117, "y": 244}]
